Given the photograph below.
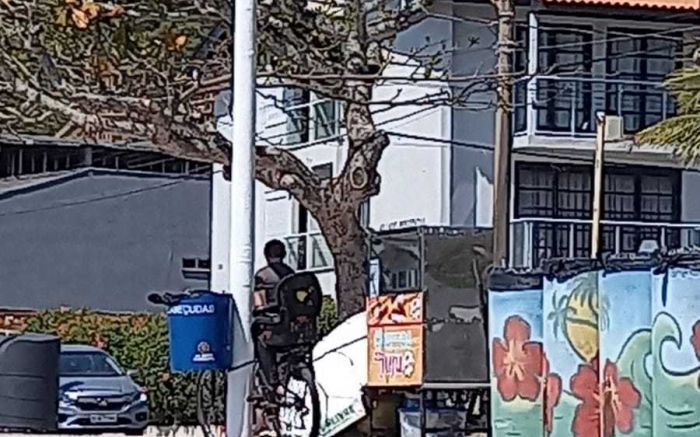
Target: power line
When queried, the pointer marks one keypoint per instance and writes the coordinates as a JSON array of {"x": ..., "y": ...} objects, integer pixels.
[
  {"x": 445, "y": 143},
  {"x": 623, "y": 37},
  {"x": 462, "y": 144},
  {"x": 442, "y": 143},
  {"x": 447, "y": 81},
  {"x": 101, "y": 198},
  {"x": 292, "y": 112}
]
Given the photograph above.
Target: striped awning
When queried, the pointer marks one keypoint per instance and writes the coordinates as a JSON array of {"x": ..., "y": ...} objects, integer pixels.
[{"x": 689, "y": 5}]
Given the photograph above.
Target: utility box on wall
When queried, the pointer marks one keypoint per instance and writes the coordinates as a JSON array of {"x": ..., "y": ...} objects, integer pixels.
[
  {"x": 200, "y": 332},
  {"x": 431, "y": 277}
]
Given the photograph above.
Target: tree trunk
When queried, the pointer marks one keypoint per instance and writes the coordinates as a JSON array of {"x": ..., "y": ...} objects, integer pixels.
[{"x": 347, "y": 242}]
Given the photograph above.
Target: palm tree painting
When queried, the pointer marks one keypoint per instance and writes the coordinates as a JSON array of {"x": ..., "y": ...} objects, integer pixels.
[{"x": 577, "y": 315}]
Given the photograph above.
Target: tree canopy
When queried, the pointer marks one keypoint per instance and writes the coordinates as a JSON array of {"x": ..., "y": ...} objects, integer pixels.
[
  {"x": 682, "y": 131},
  {"x": 138, "y": 74}
]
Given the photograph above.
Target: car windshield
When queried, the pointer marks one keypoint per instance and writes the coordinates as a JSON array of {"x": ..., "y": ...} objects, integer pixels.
[{"x": 88, "y": 364}]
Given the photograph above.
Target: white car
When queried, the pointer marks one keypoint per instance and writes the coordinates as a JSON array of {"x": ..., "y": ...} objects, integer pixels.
[{"x": 96, "y": 394}]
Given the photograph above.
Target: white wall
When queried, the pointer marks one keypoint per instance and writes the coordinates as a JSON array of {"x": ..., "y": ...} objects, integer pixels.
[
  {"x": 415, "y": 170},
  {"x": 415, "y": 173},
  {"x": 690, "y": 197}
]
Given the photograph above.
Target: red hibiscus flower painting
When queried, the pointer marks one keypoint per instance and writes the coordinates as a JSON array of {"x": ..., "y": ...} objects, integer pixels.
[
  {"x": 552, "y": 393},
  {"x": 584, "y": 386},
  {"x": 618, "y": 400},
  {"x": 517, "y": 361},
  {"x": 695, "y": 339},
  {"x": 620, "y": 396}
]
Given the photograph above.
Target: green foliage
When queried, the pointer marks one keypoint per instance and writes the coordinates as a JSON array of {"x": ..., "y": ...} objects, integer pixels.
[
  {"x": 139, "y": 342},
  {"x": 329, "y": 316},
  {"x": 681, "y": 132}
]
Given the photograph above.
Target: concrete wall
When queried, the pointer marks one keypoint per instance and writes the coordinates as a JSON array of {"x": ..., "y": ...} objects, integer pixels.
[
  {"x": 101, "y": 241},
  {"x": 690, "y": 207},
  {"x": 586, "y": 349}
]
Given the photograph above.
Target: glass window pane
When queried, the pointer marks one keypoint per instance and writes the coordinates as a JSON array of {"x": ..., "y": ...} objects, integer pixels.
[
  {"x": 634, "y": 57},
  {"x": 295, "y": 102},
  {"x": 325, "y": 119}
]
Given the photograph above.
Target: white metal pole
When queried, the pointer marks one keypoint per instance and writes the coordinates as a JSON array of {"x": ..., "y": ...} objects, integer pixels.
[
  {"x": 598, "y": 182},
  {"x": 238, "y": 412}
]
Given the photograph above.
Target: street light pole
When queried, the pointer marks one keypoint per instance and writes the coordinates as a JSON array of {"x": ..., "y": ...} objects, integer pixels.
[{"x": 241, "y": 255}]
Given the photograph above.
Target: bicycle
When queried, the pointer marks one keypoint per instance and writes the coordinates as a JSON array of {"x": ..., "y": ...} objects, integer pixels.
[{"x": 289, "y": 328}]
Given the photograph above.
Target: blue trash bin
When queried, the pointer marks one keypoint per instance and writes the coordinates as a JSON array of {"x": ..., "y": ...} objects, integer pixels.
[{"x": 200, "y": 332}]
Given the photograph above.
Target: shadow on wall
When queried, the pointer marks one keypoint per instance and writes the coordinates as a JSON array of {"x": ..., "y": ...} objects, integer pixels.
[{"x": 588, "y": 347}]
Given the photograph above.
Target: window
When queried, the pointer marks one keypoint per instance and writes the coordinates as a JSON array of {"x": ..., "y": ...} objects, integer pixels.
[
  {"x": 296, "y": 106},
  {"x": 310, "y": 118},
  {"x": 327, "y": 119},
  {"x": 639, "y": 194},
  {"x": 88, "y": 363},
  {"x": 364, "y": 213},
  {"x": 564, "y": 105},
  {"x": 640, "y": 63},
  {"x": 196, "y": 268},
  {"x": 404, "y": 280},
  {"x": 308, "y": 248}
]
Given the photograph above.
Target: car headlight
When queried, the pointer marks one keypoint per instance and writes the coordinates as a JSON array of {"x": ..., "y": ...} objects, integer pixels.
[
  {"x": 71, "y": 395},
  {"x": 140, "y": 396}
]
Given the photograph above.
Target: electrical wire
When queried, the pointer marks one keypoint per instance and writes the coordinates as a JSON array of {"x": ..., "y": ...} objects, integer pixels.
[
  {"x": 427, "y": 107},
  {"x": 101, "y": 198},
  {"x": 436, "y": 83}
]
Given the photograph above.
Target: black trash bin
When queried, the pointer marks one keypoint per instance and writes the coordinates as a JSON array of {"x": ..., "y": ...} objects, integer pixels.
[{"x": 29, "y": 382}]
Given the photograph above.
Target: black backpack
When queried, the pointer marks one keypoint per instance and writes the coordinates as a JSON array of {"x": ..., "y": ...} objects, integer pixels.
[{"x": 300, "y": 298}]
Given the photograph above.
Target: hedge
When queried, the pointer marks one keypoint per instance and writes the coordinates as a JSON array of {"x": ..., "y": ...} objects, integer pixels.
[{"x": 140, "y": 342}]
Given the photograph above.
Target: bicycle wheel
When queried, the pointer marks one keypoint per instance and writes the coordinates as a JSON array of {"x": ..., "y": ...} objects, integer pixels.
[
  {"x": 300, "y": 408},
  {"x": 265, "y": 410}
]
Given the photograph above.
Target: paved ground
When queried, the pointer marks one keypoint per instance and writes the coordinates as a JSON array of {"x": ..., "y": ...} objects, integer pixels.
[
  {"x": 151, "y": 432},
  {"x": 197, "y": 434},
  {"x": 154, "y": 432}
]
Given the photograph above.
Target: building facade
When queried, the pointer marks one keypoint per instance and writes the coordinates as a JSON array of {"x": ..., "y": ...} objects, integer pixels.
[
  {"x": 583, "y": 59},
  {"x": 97, "y": 228},
  {"x": 572, "y": 60}
]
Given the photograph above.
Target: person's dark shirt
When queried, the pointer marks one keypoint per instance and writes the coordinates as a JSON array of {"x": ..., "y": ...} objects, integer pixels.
[{"x": 269, "y": 276}]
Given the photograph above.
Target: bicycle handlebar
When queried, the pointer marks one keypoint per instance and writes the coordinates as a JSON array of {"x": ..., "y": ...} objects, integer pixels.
[{"x": 167, "y": 298}]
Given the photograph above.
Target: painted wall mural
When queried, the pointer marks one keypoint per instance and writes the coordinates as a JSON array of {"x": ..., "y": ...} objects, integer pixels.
[
  {"x": 675, "y": 343},
  {"x": 597, "y": 351},
  {"x": 516, "y": 355}
]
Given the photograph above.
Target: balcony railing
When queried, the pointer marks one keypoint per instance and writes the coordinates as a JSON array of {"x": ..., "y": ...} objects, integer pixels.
[
  {"x": 533, "y": 240},
  {"x": 566, "y": 106},
  {"x": 308, "y": 251}
]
